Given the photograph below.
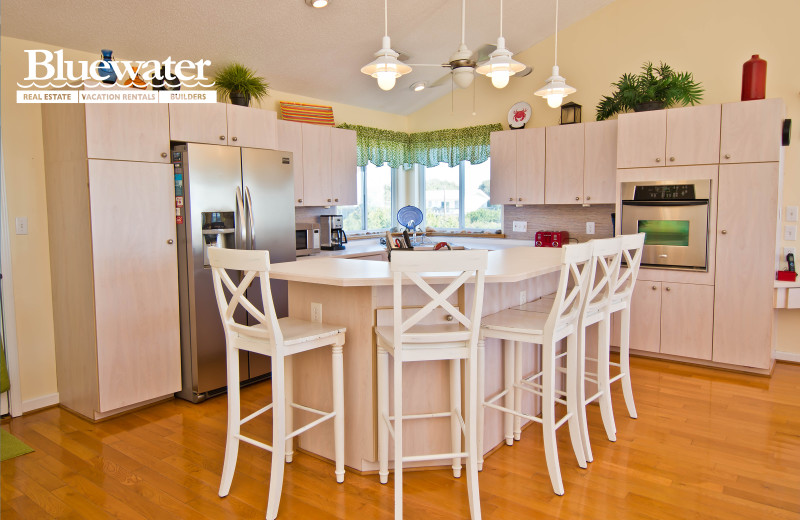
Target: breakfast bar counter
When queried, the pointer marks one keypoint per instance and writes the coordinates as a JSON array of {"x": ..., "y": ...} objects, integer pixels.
[{"x": 358, "y": 294}]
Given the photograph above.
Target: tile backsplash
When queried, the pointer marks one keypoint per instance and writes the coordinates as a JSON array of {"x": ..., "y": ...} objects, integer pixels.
[
  {"x": 310, "y": 214},
  {"x": 559, "y": 217}
]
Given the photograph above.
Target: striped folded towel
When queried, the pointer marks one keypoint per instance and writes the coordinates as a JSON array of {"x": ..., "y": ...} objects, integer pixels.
[{"x": 302, "y": 113}]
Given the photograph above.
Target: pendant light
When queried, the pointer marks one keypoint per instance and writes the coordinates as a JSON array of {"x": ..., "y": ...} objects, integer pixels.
[
  {"x": 386, "y": 67},
  {"x": 501, "y": 65},
  {"x": 556, "y": 88}
]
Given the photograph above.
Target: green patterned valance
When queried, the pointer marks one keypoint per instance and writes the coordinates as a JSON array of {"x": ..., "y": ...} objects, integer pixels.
[{"x": 399, "y": 149}]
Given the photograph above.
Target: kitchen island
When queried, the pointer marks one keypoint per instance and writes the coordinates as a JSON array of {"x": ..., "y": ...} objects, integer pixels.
[{"x": 358, "y": 294}]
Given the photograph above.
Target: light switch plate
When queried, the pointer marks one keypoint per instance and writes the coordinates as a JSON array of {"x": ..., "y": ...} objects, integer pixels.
[
  {"x": 790, "y": 232},
  {"x": 791, "y": 213},
  {"x": 21, "y": 224},
  {"x": 590, "y": 228},
  {"x": 520, "y": 226}
]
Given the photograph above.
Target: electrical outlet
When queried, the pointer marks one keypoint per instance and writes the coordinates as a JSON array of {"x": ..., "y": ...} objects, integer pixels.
[
  {"x": 520, "y": 226},
  {"x": 790, "y": 232},
  {"x": 523, "y": 297},
  {"x": 791, "y": 213},
  {"x": 789, "y": 251},
  {"x": 590, "y": 228},
  {"x": 21, "y": 224},
  {"x": 316, "y": 312}
]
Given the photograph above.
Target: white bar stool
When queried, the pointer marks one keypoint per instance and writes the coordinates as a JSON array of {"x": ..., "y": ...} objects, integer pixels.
[
  {"x": 279, "y": 339},
  {"x": 421, "y": 337},
  {"x": 545, "y": 329}
]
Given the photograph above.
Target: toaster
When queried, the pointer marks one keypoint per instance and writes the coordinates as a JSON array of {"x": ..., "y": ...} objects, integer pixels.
[{"x": 551, "y": 238}]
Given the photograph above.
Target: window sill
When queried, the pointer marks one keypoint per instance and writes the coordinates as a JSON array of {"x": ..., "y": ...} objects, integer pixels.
[{"x": 474, "y": 234}]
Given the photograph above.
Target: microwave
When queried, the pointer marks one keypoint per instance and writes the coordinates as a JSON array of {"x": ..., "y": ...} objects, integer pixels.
[{"x": 306, "y": 239}]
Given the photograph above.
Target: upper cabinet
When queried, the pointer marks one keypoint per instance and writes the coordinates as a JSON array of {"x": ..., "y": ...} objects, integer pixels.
[
  {"x": 290, "y": 138},
  {"x": 751, "y": 131},
  {"x": 224, "y": 124},
  {"x": 564, "y": 164},
  {"x": 517, "y": 166},
  {"x": 344, "y": 168},
  {"x": 600, "y": 162},
  {"x": 127, "y": 132},
  {"x": 675, "y": 137}
]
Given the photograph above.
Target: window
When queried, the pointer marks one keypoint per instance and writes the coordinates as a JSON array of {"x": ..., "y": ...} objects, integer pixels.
[
  {"x": 458, "y": 197},
  {"x": 374, "y": 210}
]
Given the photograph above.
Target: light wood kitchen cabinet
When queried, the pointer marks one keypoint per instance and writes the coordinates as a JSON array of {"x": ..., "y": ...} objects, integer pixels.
[
  {"x": 223, "y": 124},
  {"x": 327, "y": 172},
  {"x": 563, "y": 182},
  {"x": 675, "y": 137},
  {"x": 645, "y": 333},
  {"x": 517, "y": 166},
  {"x": 290, "y": 138},
  {"x": 751, "y": 131},
  {"x": 113, "y": 266},
  {"x": 126, "y": 131},
  {"x": 316, "y": 165},
  {"x": 600, "y": 162},
  {"x": 344, "y": 170},
  {"x": 746, "y": 263}
]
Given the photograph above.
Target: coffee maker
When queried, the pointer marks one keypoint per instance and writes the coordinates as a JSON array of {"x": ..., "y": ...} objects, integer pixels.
[{"x": 332, "y": 236}]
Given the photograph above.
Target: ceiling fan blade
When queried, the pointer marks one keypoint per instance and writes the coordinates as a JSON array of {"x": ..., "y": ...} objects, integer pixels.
[
  {"x": 444, "y": 80},
  {"x": 524, "y": 72},
  {"x": 483, "y": 53}
]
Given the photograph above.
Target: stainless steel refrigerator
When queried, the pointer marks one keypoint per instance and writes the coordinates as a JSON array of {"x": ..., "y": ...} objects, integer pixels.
[{"x": 233, "y": 197}]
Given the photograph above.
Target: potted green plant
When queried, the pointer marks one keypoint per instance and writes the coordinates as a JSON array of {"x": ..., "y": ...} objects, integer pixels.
[
  {"x": 240, "y": 84},
  {"x": 652, "y": 89}
]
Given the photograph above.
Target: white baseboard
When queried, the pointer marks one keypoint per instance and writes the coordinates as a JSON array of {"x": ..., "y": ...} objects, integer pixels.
[
  {"x": 793, "y": 357},
  {"x": 39, "y": 402}
]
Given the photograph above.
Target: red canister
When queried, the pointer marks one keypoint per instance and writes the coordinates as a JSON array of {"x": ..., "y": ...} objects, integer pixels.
[{"x": 754, "y": 78}]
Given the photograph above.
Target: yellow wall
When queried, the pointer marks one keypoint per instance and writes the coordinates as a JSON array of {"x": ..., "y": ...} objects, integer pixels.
[{"x": 711, "y": 38}]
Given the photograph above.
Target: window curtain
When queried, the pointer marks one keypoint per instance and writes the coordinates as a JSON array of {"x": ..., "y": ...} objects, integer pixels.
[{"x": 399, "y": 149}]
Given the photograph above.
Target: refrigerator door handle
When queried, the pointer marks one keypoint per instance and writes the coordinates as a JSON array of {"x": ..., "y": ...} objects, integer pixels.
[
  {"x": 251, "y": 222},
  {"x": 241, "y": 238}
]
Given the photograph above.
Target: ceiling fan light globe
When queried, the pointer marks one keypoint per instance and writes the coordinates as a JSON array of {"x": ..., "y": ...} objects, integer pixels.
[
  {"x": 554, "y": 100},
  {"x": 500, "y": 78},
  {"x": 462, "y": 76}
]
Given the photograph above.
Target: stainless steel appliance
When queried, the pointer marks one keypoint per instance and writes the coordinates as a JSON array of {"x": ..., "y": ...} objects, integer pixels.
[
  {"x": 674, "y": 217},
  {"x": 332, "y": 233},
  {"x": 306, "y": 238},
  {"x": 236, "y": 198}
]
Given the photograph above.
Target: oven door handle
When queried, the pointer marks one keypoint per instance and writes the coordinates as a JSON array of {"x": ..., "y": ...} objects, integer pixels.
[{"x": 702, "y": 202}]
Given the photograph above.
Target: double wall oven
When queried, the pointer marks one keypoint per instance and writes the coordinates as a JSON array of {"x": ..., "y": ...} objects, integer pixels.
[{"x": 674, "y": 217}]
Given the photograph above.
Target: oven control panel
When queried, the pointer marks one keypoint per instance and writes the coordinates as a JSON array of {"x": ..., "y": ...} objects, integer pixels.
[{"x": 664, "y": 192}]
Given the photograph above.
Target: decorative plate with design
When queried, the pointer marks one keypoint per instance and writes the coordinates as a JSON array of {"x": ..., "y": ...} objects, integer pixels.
[{"x": 519, "y": 114}]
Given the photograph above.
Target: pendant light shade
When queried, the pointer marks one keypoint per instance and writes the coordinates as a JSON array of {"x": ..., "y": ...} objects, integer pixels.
[
  {"x": 556, "y": 88},
  {"x": 386, "y": 68},
  {"x": 501, "y": 65}
]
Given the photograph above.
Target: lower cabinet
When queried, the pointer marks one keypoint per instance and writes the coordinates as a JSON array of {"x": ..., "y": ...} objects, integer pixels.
[{"x": 671, "y": 318}]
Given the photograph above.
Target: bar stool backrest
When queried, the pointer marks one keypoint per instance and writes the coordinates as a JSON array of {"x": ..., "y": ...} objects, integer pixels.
[
  {"x": 603, "y": 273},
  {"x": 252, "y": 265},
  {"x": 572, "y": 288},
  {"x": 632, "y": 246},
  {"x": 464, "y": 266}
]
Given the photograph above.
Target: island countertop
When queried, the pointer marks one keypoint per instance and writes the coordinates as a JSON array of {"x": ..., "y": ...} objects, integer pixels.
[{"x": 505, "y": 265}]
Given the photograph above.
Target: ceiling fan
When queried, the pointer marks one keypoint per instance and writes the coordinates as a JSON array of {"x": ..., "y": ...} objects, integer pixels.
[{"x": 463, "y": 62}]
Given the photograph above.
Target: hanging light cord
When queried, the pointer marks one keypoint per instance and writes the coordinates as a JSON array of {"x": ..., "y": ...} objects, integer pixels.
[
  {"x": 556, "y": 35},
  {"x": 386, "y": 17},
  {"x": 501, "y": 18},
  {"x": 463, "y": 18}
]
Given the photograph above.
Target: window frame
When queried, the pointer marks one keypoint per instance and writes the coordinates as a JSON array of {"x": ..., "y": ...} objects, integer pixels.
[{"x": 462, "y": 216}]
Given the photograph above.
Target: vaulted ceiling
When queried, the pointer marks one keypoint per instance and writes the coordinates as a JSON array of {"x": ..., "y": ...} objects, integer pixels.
[{"x": 298, "y": 49}]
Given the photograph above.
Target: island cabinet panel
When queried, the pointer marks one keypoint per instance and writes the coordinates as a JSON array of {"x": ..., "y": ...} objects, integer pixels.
[
  {"x": 600, "y": 162},
  {"x": 252, "y": 127},
  {"x": 640, "y": 139},
  {"x": 746, "y": 263},
  {"x": 127, "y": 131},
  {"x": 687, "y": 320},
  {"x": 564, "y": 164},
  {"x": 290, "y": 138},
  {"x": 198, "y": 123},
  {"x": 316, "y": 165},
  {"x": 751, "y": 131},
  {"x": 693, "y": 135},
  {"x": 344, "y": 170}
]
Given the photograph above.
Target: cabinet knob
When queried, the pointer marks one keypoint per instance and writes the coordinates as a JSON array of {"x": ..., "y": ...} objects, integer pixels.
[
  {"x": 164, "y": 154},
  {"x": 658, "y": 159},
  {"x": 169, "y": 241},
  {"x": 588, "y": 198},
  {"x": 654, "y": 287},
  {"x": 520, "y": 199},
  {"x": 329, "y": 200},
  {"x": 577, "y": 198},
  {"x": 299, "y": 200},
  {"x": 222, "y": 138},
  {"x": 335, "y": 200},
  {"x": 511, "y": 199},
  {"x": 668, "y": 289},
  {"x": 671, "y": 159},
  {"x": 235, "y": 138},
  {"x": 727, "y": 156},
  {"x": 724, "y": 231}
]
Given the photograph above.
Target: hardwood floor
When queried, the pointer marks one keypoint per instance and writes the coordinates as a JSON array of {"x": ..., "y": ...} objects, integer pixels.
[{"x": 708, "y": 444}]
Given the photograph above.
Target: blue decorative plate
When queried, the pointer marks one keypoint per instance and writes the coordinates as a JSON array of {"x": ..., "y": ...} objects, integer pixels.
[{"x": 409, "y": 217}]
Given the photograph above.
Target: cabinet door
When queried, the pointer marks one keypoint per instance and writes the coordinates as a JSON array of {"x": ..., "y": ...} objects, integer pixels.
[
  {"x": 198, "y": 123},
  {"x": 530, "y": 166},
  {"x": 317, "y": 165},
  {"x": 747, "y": 221},
  {"x": 127, "y": 131},
  {"x": 646, "y": 316},
  {"x": 641, "y": 139},
  {"x": 290, "y": 138},
  {"x": 600, "y": 162},
  {"x": 252, "y": 127},
  {"x": 693, "y": 135},
  {"x": 563, "y": 181},
  {"x": 751, "y": 131},
  {"x": 503, "y": 167},
  {"x": 134, "y": 254},
  {"x": 344, "y": 172},
  {"x": 687, "y": 319}
]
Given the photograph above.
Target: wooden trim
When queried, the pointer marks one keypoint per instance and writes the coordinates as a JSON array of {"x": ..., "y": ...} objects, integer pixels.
[{"x": 702, "y": 363}]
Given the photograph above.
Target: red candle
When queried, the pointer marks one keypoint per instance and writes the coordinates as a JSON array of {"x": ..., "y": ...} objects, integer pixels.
[{"x": 754, "y": 78}]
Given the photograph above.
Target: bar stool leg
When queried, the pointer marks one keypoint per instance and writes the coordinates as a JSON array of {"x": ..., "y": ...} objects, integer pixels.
[
  {"x": 337, "y": 362},
  {"x": 289, "y": 389},
  {"x": 278, "y": 437},
  {"x": 581, "y": 391},
  {"x": 625, "y": 362},
  {"x": 383, "y": 413},
  {"x": 518, "y": 393},
  {"x": 231, "y": 439},
  {"x": 474, "y": 405},
  {"x": 455, "y": 409},
  {"x": 481, "y": 382},
  {"x": 573, "y": 401},
  {"x": 508, "y": 382},
  {"x": 603, "y": 379},
  {"x": 548, "y": 417},
  {"x": 398, "y": 437}
]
